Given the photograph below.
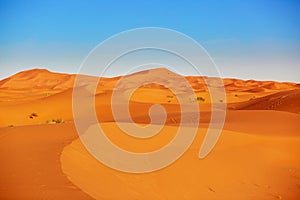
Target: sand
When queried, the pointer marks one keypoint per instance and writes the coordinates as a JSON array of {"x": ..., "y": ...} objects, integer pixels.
[
  {"x": 30, "y": 162},
  {"x": 242, "y": 166},
  {"x": 257, "y": 156}
]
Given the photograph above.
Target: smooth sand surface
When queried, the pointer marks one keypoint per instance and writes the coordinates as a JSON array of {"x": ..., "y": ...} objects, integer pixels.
[
  {"x": 241, "y": 166},
  {"x": 257, "y": 156},
  {"x": 30, "y": 163}
]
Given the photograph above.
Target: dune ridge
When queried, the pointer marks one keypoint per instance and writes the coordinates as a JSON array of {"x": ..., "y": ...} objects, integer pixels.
[{"x": 256, "y": 157}]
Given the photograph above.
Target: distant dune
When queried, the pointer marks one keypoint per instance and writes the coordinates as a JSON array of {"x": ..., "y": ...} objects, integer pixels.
[
  {"x": 284, "y": 101},
  {"x": 257, "y": 156},
  {"x": 38, "y": 79}
]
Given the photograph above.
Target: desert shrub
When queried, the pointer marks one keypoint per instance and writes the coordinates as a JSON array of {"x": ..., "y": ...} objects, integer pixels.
[
  {"x": 235, "y": 95},
  {"x": 55, "y": 121},
  {"x": 169, "y": 96},
  {"x": 32, "y": 115},
  {"x": 10, "y": 125},
  {"x": 51, "y": 121},
  {"x": 200, "y": 99},
  {"x": 60, "y": 121},
  {"x": 221, "y": 100}
]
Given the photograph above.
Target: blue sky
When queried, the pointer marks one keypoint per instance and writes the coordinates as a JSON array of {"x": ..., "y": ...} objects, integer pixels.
[{"x": 247, "y": 39}]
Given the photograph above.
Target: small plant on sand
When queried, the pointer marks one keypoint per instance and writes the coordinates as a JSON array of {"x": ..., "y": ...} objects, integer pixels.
[
  {"x": 50, "y": 122},
  {"x": 32, "y": 115},
  {"x": 200, "y": 99},
  {"x": 170, "y": 96},
  {"x": 236, "y": 95},
  {"x": 55, "y": 121},
  {"x": 221, "y": 100},
  {"x": 60, "y": 121},
  {"x": 10, "y": 125}
]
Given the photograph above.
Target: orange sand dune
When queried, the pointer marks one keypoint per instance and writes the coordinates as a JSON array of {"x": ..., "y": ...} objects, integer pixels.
[
  {"x": 242, "y": 166},
  {"x": 255, "y": 158},
  {"x": 33, "y": 84},
  {"x": 38, "y": 78},
  {"x": 241, "y": 85},
  {"x": 30, "y": 167},
  {"x": 285, "y": 101},
  {"x": 263, "y": 122}
]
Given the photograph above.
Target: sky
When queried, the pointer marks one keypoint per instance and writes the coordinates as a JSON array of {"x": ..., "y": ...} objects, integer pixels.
[{"x": 246, "y": 39}]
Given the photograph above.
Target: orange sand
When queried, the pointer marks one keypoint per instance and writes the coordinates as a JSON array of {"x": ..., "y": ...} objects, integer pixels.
[{"x": 257, "y": 156}]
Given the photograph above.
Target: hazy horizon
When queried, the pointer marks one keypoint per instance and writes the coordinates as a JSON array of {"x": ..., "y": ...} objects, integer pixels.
[
  {"x": 140, "y": 71},
  {"x": 257, "y": 40}
]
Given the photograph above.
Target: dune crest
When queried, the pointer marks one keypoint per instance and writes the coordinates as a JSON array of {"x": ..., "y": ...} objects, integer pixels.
[{"x": 256, "y": 156}]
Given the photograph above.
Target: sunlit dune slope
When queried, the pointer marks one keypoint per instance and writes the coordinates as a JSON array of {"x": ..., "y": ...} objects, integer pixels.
[
  {"x": 49, "y": 95},
  {"x": 33, "y": 84},
  {"x": 255, "y": 158},
  {"x": 241, "y": 166},
  {"x": 38, "y": 78},
  {"x": 30, "y": 163},
  {"x": 284, "y": 101}
]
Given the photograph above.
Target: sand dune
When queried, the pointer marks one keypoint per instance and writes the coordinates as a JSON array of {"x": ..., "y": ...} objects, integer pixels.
[
  {"x": 241, "y": 166},
  {"x": 33, "y": 84},
  {"x": 38, "y": 78},
  {"x": 283, "y": 101},
  {"x": 241, "y": 85},
  {"x": 30, "y": 166},
  {"x": 256, "y": 157}
]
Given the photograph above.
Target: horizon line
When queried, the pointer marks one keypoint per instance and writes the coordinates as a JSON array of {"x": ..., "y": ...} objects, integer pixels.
[{"x": 184, "y": 75}]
